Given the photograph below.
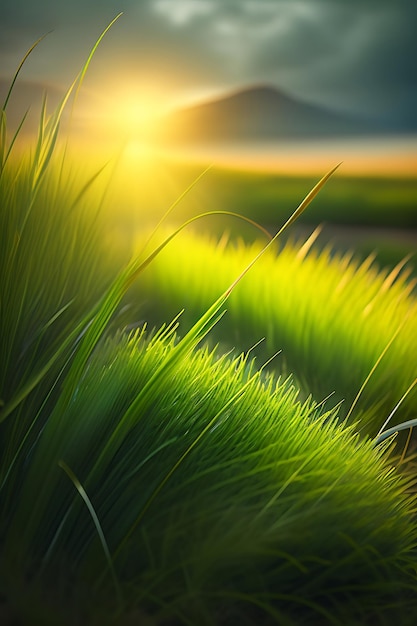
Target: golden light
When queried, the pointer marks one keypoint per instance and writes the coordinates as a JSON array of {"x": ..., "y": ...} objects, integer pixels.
[
  {"x": 122, "y": 113},
  {"x": 136, "y": 115}
]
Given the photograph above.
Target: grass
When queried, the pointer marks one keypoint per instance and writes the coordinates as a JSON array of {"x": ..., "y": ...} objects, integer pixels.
[
  {"x": 331, "y": 316},
  {"x": 54, "y": 267},
  {"x": 147, "y": 478},
  {"x": 218, "y": 493},
  {"x": 348, "y": 201},
  {"x": 371, "y": 215}
]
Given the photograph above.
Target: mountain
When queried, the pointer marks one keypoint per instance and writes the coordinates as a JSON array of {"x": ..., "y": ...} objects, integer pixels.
[{"x": 259, "y": 114}]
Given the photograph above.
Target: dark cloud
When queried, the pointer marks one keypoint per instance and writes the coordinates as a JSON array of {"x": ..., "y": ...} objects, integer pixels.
[{"x": 350, "y": 53}]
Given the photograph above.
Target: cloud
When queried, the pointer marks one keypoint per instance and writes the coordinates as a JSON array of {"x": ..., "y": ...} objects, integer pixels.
[
  {"x": 353, "y": 53},
  {"x": 368, "y": 58},
  {"x": 183, "y": 12}
]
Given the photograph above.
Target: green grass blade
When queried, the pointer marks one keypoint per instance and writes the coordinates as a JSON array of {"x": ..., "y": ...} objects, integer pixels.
[
  {"x": 93, "y": 51},
  {"x": 95, "y": 519},
  {"x": 21, "y": 64},
  {"x": 294, "y": 216},
  {"x": 87, "y": 185},
  {"x": 373, "y": 369},
  {"x": 175, "y": 204},
  {"x": 5, "y": 157}
]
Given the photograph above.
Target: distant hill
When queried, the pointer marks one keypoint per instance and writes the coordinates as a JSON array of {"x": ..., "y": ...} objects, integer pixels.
[
  {"x": 27, "y": 97},
  {"x": 259, "y": 114}
]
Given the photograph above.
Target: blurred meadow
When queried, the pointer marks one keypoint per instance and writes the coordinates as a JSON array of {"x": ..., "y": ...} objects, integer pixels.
[{"x": 366, "y": 213}]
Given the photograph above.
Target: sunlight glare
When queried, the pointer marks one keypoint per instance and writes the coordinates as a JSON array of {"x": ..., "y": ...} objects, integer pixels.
[
  {"x": 137, "y": 115},
  {"x": 130, "y": 112}
]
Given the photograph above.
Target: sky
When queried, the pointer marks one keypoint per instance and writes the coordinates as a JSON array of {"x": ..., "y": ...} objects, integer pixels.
[{"x": 351, "y": 55}]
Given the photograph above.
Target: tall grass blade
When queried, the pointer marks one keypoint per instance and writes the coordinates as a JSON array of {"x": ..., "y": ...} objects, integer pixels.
[
  {"x": 373, "y": 369},
  {"x": 294, "y": 216},
  {"x": 5, "y": 154},
  {"x": 93, "y": 51},
  {"x": 96, "y": 521},
  {"x": 21, "y": 64},
  {"x": 398, "y": 427},
  {"x": 3, "y": 126}
]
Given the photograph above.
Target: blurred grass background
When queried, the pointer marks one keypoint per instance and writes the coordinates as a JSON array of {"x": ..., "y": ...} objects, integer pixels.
[{"x": 369, "y": 214}]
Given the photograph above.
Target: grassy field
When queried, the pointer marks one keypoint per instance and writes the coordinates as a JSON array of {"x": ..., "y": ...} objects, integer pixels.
[
  {"x": 330, "y": 314},
  {"x": 361, "y": 213},
  {"x": 357, "y": 213},
  {"x": 348, "y": 201},
  {"x": 148, "y": 478}
]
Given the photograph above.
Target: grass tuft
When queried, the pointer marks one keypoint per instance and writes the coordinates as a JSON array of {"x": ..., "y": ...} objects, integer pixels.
[{"x": 222, "y": 485}]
